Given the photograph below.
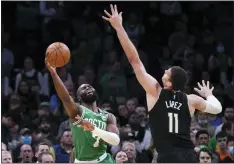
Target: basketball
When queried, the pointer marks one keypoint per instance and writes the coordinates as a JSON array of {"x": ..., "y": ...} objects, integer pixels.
[{"x": 58, "y": 54}]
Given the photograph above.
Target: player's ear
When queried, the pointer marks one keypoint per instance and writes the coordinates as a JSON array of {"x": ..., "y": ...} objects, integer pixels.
[
  {"x": 169, "y": 84},
  {"x": 79, "y": 98}
]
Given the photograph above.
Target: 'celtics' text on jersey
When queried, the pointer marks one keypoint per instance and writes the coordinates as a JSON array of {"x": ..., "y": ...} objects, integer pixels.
[{"x": 87, "y": 145}]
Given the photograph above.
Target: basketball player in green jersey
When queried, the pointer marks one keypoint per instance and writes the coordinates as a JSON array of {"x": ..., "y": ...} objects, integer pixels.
[{"x": 92, "y": 128}]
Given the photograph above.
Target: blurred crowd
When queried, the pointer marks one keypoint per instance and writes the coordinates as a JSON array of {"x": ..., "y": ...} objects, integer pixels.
[{"x": 195, "y": 35}]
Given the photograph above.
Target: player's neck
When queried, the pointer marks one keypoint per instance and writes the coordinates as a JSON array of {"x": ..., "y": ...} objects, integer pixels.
[{"x": 92, "y": 106}]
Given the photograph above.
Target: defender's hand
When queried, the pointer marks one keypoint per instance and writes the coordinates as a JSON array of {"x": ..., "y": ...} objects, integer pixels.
[
  {"x": 205, "y": 89},
  {"x": 50, "y": 67},
  {"x": 86, "y": 125},
  {"x": 114, "y": 18}
]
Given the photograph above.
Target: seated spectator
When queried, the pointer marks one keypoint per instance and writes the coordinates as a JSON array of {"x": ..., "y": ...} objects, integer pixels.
[
  {"x": 29, "y": 74},
  {"x": 121, "y": 157},
  {"x": 4, "y": 148},
  {"x": 25, "y": 136},
  {"x": 130, "y": 149},
  {"x": 6, "y": 157},
  {"x": 202, "y": 138},
  {"x": 63, "y": 150},
  {"x": 228, "y": 117},
  {"x": 55, "y": 103},
  {"x": 45, "y": 157},
  {"x": 130, "y": 106},
  {"x": 6, "y": 88},
  {"x": 41, "y": 148},
  {"x": 205, "y": 155},
  {"x": 133, "y": 156},
  {"x": 123, "y": 114},
  {"x": 29, "y": 100},
  {"x": 45, "y": 129},
  {"x": 63, "y": 126},
  {"x": 222, "y": 149},
  {"x": 26, "y": 154},
  {"x": 202, "y": 120}
]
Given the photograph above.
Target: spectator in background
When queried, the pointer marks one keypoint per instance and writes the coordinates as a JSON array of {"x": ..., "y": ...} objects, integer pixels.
[
  {"x": 205, "y": 156},
  {"x": 6, "y": 157},
  {"x": 4, "y": 148},
  {"x": 29, "y": 74},
  {"x": 202, "y": 120},
  {"x": 130, "y": 106},
  {"x": 202, "y": 138},
  {"x": 13, "y": 137},
  {"x": 134, "y": 28},
  {"x": 194, "y": 128},
  {"x": 45, "y": 129},
  {"x": 123, "y": 114},
  {"x": 25, "y": 136},
  {"x": 121, "y": 157},
  {"x": 63, "y": 150},
  {"x": 63, "y": 126},
  {"x": 29, "y": 100},
  {"x": 55, "y": 103},
  {"x": 26, "y": 154},
  {"x": 222, "y": 149},
  {"x": 45, "y": 157},
  {"x": 228, "y": 117},
  {"x": 130, "y": 149},
  {"x": 41, "y": 148},
  {"x": 7, "y": 56}
]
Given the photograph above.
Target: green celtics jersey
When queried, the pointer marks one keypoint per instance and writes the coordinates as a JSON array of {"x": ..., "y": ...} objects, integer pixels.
[{"x": 87, "y": 145}]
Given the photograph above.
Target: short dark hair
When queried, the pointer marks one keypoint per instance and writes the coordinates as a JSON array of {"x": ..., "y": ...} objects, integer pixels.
[
  {"x": 41, "y": 143},
  {"x": 65, "y": 130},
  {"x": 221, "y": 135},
  {"x": 207, "y": 150},
  {"x": 179, "y": 78},
  {"x": 201, "y": 132},
  {"x": 41, "y": 155}
]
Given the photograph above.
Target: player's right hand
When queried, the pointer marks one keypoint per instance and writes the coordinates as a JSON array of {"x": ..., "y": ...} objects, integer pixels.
[
  {"x": 50, "y": 67},
  {"x": 86, "y": 125},
  {"x": 204, "y": 89},
  {"x": 114, "y": 18}
]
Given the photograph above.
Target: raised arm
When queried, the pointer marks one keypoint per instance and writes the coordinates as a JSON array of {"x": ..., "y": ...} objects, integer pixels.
[
  {"x": 210, "y": 105},
  {"x": 71, "y": 107},
  {"x": 150, "y": 84}
]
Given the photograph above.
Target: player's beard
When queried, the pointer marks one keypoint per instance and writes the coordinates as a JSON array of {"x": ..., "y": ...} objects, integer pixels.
[{"x": 89, "y": 99}]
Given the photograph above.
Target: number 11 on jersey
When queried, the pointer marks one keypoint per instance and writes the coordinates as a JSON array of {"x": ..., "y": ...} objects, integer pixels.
[{"x": 173, "y": 122}]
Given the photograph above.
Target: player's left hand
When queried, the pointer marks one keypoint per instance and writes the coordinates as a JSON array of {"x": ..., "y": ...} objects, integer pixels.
[
  {"x": 86, "y": 125},
  {"x": 204, "y": 89},
  {"x": 115, "y": 18}
]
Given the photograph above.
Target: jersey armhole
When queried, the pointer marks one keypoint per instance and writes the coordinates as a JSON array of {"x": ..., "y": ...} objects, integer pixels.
[
  {"x": 191, "y": 113},
  {"x": 159, "y": 96}
]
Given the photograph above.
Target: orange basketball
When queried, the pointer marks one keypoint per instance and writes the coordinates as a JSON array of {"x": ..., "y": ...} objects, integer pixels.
[{"x": 58, "y": 54}]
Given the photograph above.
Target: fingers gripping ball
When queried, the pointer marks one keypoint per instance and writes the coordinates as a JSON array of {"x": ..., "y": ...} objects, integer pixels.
[{"x": 58, "y": 54}]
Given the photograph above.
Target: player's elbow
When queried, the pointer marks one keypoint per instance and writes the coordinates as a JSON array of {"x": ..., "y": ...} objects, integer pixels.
[
  {"x": 116, "y": 140},
  {"x": 213, "y": 108}
]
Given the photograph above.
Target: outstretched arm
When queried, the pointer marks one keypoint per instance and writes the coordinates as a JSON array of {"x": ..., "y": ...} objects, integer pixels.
[
  {"x": 149, "y": 83},
  {"x": 210, "y": 105},
  {"x": 71, "y": 107}
]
